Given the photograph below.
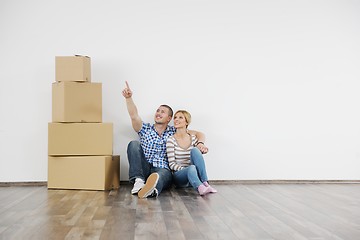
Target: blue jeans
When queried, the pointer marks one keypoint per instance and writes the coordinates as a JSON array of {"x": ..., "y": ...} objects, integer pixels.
[
  {"x": 139, "y": 167},
  {"x": 193, "y": 175}
]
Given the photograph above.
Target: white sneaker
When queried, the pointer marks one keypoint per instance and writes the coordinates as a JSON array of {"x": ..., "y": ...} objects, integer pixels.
[
  {"x": 149, "y": 189},
  {"x": 138, "y": 185}
]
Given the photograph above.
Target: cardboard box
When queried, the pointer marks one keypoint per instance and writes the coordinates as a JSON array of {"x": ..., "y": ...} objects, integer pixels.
[
  {"x": 76, "y": 102},
  {"x": 87, "y": 172},
  {"x": 80, "y": 139},
  {"x": 73, "y": 68}
]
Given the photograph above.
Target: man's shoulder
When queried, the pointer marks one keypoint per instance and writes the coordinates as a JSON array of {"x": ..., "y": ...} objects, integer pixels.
[
  {"x": 145, "y": 128},
  {"x": 171, "y": 128},
  {"x": 147, "y": 125},
  {"x": 171, "y": 139}
]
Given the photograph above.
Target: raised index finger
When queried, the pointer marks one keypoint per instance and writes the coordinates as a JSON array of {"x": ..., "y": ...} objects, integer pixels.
[{"x": 127, "y": 85}]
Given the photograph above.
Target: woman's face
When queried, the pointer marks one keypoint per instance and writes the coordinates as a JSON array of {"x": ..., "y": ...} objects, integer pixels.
[{"x": 179, "y": 120}]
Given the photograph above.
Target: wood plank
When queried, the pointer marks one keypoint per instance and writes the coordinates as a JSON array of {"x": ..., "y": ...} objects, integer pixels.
[
  {"x": 302, "y": 206},
  {"x": 237, "y": 211}
]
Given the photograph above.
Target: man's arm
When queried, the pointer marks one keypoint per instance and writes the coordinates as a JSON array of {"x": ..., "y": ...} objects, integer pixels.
[
  {"x": 132, "y": 109},
  {"x": 201, "y": 140}
]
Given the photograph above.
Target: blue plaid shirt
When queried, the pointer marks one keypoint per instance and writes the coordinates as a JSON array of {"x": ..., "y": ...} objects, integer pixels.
[{"x": 154, "y": 146}]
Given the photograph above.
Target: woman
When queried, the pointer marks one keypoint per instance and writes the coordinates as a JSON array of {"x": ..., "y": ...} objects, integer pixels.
[{"x": 184, "y": 153}]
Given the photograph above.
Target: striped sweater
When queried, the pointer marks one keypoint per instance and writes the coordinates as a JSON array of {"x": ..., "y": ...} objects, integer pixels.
[{"x": 179, "y": 158}]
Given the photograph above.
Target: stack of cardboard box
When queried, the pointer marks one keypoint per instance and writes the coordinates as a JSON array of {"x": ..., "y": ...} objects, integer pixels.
[{"x": 80, "y": 145}]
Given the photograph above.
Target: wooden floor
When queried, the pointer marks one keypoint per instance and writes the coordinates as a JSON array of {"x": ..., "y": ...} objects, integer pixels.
[{"x": 239, "y": 211}]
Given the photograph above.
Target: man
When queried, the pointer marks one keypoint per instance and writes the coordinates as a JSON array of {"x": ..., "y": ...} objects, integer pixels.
[{"x": 148, "y": 165}]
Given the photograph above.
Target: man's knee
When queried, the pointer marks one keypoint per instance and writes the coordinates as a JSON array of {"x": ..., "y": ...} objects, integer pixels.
[
  {"x": 134, "y": 145},
  {"x": 134, "y": 152}
]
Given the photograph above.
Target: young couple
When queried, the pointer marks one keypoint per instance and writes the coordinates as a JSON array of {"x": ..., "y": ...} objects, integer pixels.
[{"x": 149, "y": 168}]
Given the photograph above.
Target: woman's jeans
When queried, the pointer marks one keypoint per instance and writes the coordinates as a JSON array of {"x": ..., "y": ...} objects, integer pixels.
[
  {"x": 139, "y": 167},
  {"x": 195, "y": 174}
]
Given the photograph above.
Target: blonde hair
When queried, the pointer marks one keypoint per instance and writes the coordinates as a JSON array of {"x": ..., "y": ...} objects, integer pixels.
[{"x": 187, "y": 116}]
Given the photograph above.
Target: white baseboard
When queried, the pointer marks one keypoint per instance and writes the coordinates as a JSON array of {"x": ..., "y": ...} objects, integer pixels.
[{"x": 271, "y": 181}]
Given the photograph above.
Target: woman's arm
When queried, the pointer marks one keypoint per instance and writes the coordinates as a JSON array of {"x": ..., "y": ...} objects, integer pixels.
[{"x": 170, "y": 151}]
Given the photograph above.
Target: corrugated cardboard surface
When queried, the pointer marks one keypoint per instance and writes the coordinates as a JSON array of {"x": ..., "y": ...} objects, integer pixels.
[
  {"x": 76, "y": 102},
  {"x": 74, "y": 139},
  {"x": 86, "y": 172},
  {"x": 72, "y": 68}
]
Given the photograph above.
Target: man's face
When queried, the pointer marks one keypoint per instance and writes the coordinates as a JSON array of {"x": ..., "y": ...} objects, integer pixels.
[{"x": 162, "y": 115}]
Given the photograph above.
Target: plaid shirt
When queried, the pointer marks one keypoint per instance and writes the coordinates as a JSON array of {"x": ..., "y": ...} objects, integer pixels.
[{"x": 154, "y": 146}]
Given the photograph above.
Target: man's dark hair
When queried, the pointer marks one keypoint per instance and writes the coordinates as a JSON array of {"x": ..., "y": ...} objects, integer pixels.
[{"x": 170, "y": 109}]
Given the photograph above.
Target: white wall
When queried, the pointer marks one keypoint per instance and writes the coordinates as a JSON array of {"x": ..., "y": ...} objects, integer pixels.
[{"x": 274, "y": 85}]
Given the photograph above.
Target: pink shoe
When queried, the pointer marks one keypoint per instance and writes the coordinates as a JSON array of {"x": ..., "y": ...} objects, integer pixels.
[
  {"x": 202, "y": 189},
  {"x": 212, "y": 190}
]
